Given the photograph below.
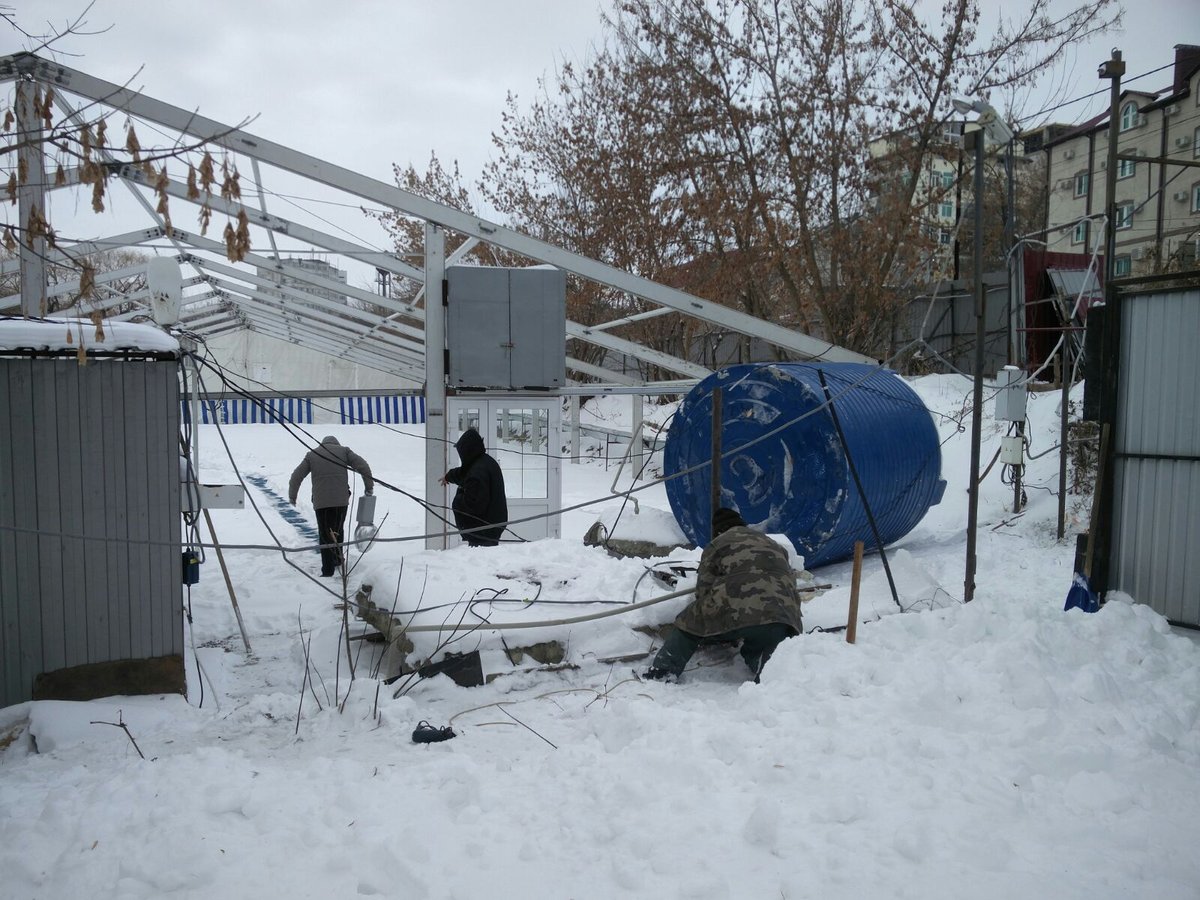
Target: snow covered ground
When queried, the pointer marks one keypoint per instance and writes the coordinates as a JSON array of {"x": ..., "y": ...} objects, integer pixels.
[{"x": 1003, "y": 748}]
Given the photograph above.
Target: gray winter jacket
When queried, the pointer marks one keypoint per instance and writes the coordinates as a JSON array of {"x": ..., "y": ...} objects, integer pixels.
[
  {"x": 745, "y": 578},
  {"x": 328, "y": 465}
]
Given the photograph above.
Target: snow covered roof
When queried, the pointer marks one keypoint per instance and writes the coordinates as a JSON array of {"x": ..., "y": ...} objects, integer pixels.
[{"x": 19, "y": 333}]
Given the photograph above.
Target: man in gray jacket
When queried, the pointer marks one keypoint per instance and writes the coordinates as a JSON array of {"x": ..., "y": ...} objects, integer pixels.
[
  {"x": 328, "y": 464},
  {"x": 745, "y": 590}
]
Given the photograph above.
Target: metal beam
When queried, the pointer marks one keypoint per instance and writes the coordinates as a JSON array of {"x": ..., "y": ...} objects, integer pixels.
[
  {"x": 280, "y": 225},
  {"x": 205, "y": 129},
  {"x": 584, "y": 368},
  {"x": 636, "y": 317},
  {"x": 31, "y": 200},
  {"x": 300, "y": 295},
  {"x": 322, "y": 343},
  {"x": 638, "y": 351},
  {"x": 296, "y": 274},
  {"x": 331, "y": 325},
  {"x": 88, "y": 248}
]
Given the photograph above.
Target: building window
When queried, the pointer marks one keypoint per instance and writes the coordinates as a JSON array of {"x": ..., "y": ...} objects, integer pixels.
[
  {"x": 1196, "y": 141},
  {"x": 948, "y": 179},
  {"x": 943, "y": 236},
  {"x": 1196, "y": 197},
  {"x": 946, "y": 209},
  {"x": 1079, "y": 233},
  {"x": 1125, "y": 215},
  {"x": 1126, "y": 168},
  {"x": 1122, "y": 265},
  {"x": 1129, "y": 116},
  {"x": 1081, "y": 184}
]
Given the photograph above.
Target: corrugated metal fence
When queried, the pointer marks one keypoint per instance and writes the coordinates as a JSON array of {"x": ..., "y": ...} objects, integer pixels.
[
  {"x": 1156, "y": 453},
  {"x": 89, "y": 465}
]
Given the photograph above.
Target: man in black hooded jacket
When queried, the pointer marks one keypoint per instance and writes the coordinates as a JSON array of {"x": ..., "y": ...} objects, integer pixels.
[{"x": 480, "y": 498}]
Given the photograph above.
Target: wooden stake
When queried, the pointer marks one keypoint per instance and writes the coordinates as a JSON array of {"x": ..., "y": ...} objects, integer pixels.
[{"x": 852, "y": 620}]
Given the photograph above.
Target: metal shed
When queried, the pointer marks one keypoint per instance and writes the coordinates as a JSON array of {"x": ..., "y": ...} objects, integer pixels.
[
  {"x": 1154, "y": 420},
  {"x": 90, "y": 532}
]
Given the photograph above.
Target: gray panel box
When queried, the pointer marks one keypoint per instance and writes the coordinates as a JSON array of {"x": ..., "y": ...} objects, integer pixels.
[{"x": 506, "y": 328}]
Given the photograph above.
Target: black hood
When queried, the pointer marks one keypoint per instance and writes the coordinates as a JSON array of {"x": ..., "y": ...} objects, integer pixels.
[
  {"x": 724, "y": 519},
  {"x": 469, "y": 446}
]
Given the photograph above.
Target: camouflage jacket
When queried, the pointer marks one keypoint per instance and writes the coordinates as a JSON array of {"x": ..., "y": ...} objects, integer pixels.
[{"x": 744, "y": 579}]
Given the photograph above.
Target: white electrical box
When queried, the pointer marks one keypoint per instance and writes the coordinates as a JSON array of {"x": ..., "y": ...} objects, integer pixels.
[
  {"x": 1011, "y": 395},
  {"x": 213, "y": 496},
  {"x": 1012, "y": 450}
]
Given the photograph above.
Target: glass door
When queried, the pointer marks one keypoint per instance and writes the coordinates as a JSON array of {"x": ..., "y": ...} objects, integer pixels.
[{"x": 523, "y": 435}]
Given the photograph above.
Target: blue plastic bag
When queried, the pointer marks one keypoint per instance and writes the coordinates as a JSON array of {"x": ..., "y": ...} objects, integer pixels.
[{"x": 1081, "y": 595}]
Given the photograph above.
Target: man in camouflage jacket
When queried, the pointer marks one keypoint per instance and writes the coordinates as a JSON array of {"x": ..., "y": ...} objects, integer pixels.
[{"x": 745, "y": 590}]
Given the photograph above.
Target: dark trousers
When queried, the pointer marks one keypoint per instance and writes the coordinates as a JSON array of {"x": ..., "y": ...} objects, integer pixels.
[
  {"x": 758, "y": 643},
  {"x": 330, "y": 522}
]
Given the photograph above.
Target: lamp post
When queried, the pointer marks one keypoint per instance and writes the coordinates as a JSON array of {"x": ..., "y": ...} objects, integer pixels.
[{"x": 990, "y": 123}]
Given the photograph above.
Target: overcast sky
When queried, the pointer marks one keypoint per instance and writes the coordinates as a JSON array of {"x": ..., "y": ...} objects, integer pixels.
[{"x": 366, "y": 83}]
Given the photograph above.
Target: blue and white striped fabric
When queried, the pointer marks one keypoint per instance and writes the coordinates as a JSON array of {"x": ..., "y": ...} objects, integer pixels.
[
  {"x": 397, "y": 409},
  {"x": 243, "y": 411}
]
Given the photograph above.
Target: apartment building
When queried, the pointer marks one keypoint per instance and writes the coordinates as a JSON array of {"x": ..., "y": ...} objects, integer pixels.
[{"x": 1157, "y": 202}]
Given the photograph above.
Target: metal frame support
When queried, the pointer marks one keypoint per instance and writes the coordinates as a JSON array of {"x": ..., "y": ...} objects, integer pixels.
[
  {"x": 435, "y": 380},
  {"x": 575, "y": 428},
  {"x": 977, "y": 401},
  {"x": 188, "y": 122},
  {"x": 1113, "y": 69},
  {"x": 639, "y": 448},
  {"x": 31, "y": 199}
]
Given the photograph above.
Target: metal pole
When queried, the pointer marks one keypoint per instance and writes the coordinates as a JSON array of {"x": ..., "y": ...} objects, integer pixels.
[
  {"x": 638, "y": 453},
  {"x": 575, "y": 428},
  {"x": 435, "y": 382},
  {"x": 1113, "y": 69},
  {"x": 1016, "y": 309},
  {"x": 228, "y": 583},
  {"x": 977, "y": 412},
  {"x": 1063, "y": 432},
  {"x": 31, "y": 199}
]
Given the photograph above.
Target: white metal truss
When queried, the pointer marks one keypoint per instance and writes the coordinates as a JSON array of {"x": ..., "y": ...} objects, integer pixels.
[{"x": 256, "y": 149}]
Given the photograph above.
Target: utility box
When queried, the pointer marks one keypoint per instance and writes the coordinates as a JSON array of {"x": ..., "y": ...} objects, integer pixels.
[
  {"x": 1012, "y": 450},
  {"x": 506, "y": 328},
  {"x": 212, "y": 496},
  {"x": 1011, "y": 395}
]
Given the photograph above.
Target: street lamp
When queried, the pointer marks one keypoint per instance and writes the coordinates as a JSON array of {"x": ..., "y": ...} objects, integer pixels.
[{"x": 993, "y": 126}]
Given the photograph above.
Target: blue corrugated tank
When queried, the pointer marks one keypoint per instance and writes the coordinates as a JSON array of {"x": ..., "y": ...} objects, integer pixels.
[{"x": 783, "y": 467}]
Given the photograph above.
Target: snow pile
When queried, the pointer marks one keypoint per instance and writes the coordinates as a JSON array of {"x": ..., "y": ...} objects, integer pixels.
[
  {"x": 72, "y": 334},
  {"x": 997, "y": 749}
]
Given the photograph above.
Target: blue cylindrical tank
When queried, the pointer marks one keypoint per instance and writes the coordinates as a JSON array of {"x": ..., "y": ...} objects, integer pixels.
[{"x": 783, "y": 467}]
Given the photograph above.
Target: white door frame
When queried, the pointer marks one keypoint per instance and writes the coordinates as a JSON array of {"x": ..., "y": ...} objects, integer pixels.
[{"x": 523, "y": 433}]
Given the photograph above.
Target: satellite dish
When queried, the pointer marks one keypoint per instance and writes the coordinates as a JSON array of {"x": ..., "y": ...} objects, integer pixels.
[{"x": 166, "y": 290}]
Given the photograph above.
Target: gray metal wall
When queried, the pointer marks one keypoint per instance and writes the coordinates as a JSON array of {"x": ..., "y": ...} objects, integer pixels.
[
  {"x": 1156, "y": 454},
  {"x": 93, "y": 451}
]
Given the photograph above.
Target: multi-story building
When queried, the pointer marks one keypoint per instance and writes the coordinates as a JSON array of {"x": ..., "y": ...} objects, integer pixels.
[
  {"x": 313, "y": 266},
  {"x": 937, "y": 193},
  {"x": 1157, "y": 202}
]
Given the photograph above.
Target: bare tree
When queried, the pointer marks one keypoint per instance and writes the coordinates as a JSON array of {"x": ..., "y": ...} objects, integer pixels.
[
  {"x": 84, "y": 296},
  {"x": 722, "y": 146}
]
